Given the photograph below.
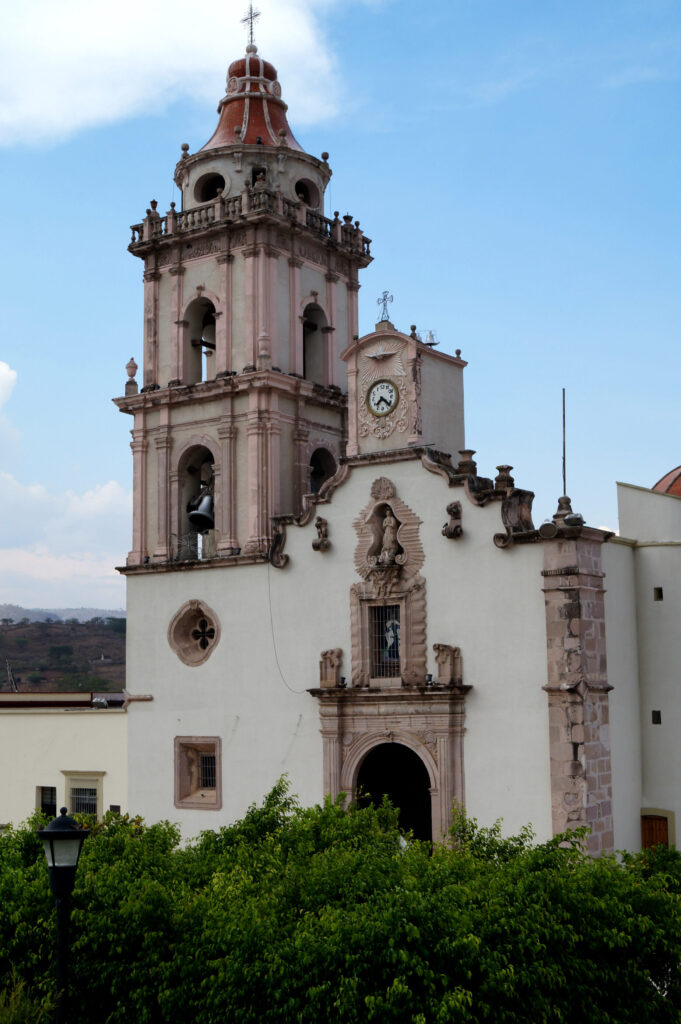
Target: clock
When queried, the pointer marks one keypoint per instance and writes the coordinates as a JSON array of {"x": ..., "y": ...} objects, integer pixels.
[{"x": 382, "y": 397}]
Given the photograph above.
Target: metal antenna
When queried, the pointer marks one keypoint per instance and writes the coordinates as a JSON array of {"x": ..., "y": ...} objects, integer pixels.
[
  {"x": 564, "y": 468},
  {"x": 249, "y": 18}
]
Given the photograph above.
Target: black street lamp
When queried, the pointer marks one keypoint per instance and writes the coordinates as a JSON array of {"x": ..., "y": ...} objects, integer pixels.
[{"x": 62, "y": 839}]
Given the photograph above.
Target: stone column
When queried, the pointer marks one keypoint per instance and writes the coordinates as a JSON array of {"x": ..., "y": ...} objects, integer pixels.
[
  {"x": 295, "y": 336},
  {"x": 579, "y": 732},
  {"x": 177, "y": 355},
  {"x": 151, "y": 286},
  {"x": 163, "y": 444},
  {"x": 139, "y": 491},
  {"x": 250, "y": 311},
  {"x": 226, "y": 509},
  {"x": 330, "y": 354},
  {"x": 353, "y": 330},
  {"x": 257, "y": 474},
  {"x": 223, "y": 324}
]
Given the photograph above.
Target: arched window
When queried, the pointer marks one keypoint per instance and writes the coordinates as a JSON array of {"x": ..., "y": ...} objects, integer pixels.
[
  {"x": 199, "y": 362},
  {"x": 322, "y": 468},
  {"x": 197, "y": 506},
  {"x": 314, "y": 322},
  {"x": 207, "y": 187}
]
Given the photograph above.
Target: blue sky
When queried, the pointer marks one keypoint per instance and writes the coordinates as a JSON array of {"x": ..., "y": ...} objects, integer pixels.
[{"x": 516, "y": 163}]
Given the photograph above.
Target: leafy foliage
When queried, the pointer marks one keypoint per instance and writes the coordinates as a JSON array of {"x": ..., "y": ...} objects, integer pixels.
[{"x": 301, "y": 915}]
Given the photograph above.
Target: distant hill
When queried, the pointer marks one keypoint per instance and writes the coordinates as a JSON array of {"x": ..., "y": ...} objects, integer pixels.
[
  {"x": 57, "y": 656},
  {"x": 17, "y": 613}
]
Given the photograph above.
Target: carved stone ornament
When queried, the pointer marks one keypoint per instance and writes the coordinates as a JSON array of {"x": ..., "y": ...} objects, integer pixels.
[
  {"x": 453, "y": 528},
  {"x": 330, "y": 666},
  {"x": 449, "y": 670},
  {"x": 388, "y": 532},
  {"x": 322, "y": 542},
  {"x": 386, "y": 362},
  {"x": 194, "y": 633},
  {"x": 516, "y": 515},
  {"x": 276, "y": 553}
]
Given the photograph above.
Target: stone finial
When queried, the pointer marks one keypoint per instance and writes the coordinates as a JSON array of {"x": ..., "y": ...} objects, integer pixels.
[
  {"x": 564, "y": 509},
  {"x": 131, "y": 387},
  {"x": 504, "y": 481},
  {"x": 330, "y": 665},
  {"x": 325, "y": 156},
  {"x": 467, "y": 465},
  {"x": 185, "y": 150}
]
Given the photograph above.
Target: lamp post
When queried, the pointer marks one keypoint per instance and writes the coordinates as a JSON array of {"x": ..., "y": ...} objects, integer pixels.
[{"x": 62, "y": 840}]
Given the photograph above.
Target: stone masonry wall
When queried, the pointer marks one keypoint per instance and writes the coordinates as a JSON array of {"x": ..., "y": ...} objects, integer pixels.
[{"x": 579, "y": 730}]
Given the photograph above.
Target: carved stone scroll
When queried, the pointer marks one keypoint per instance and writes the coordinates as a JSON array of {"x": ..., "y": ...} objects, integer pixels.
[
  {"x": 516, "y": 515},
  {"x": 453, "y": 528},
  {"x": 322, "y": 542}
]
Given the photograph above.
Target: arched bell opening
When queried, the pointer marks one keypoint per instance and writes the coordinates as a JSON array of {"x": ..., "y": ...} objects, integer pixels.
[
  {"x": 196, "y": 478},
  {"x": 314, "y": 340},
  {"x": 322, "y": 468},
  {"x": 394, "y": 770},
  {"x": 200, "y": 341},
  {"x": 208, "y": 186}
]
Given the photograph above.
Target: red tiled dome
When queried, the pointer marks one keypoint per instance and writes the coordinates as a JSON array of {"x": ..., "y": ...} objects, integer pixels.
[
  {"x": 670, "y": 483},
  {"x": 253, "y": 104}
]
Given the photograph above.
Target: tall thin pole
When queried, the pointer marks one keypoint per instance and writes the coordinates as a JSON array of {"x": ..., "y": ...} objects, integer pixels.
[
  {"x": 62, "y": 959},
  {"x": 564, "y": 470}
]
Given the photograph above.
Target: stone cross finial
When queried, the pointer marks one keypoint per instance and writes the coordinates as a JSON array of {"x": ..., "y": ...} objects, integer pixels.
[
  {"x": 249, "y": 18},
  {"x": 383, "y": 301}
]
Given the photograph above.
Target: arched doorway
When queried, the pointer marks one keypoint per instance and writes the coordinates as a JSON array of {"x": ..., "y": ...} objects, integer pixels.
[{"x": 395, "y": 770}]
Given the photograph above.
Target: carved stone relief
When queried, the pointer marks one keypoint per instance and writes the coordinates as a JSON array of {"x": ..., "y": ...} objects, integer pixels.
[
  {"x": 387, "y": 360},
  {"x": 322, "y": 542},
  {"x": 453, "y": 528},
  {"x": 330, "y": 665}
]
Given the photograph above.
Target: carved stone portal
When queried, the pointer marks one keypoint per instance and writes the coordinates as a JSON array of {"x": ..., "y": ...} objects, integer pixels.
[{"x": 430, "y": 722}]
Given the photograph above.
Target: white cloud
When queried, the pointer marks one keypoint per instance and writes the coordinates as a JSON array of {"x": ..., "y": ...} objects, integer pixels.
[
  {"x": 65, "y": 66},
  {"x": 62, "y": 549},
  {"x": 638, "y": 75},
  {"x": 8, "y": 379}
]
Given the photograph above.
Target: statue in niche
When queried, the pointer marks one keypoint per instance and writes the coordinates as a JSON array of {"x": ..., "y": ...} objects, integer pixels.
[{"x": 389, "y": 545}]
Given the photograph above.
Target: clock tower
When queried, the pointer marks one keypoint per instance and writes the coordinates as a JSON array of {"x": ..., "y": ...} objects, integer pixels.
[{"x": 388, "y": 375}]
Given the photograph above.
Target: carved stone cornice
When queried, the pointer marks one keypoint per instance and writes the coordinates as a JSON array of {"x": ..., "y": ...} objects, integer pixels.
[
  {"x": 225, "y": 257},
  {"x": 293, "y": 261},
  {"x": 151, "y": 275},
  {"x": 176, "y": 270}
]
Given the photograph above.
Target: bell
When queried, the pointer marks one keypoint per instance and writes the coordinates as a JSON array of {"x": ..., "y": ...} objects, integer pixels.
[{"x": 202, "y": 518}]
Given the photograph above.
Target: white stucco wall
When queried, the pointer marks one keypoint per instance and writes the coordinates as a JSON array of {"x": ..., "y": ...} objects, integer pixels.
[
  {"x": 252, "y": 690},
  {"x": 40, "y": 745},
  {"x": 624, "y": 700}
]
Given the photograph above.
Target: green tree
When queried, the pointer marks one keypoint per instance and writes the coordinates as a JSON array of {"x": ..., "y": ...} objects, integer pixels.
[{"x": 324, "y": 914}]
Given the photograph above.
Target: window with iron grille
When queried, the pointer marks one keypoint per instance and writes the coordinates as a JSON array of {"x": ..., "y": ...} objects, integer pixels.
[
  {"x": 207, "y": 771},
  {"x": 47, "y": 800},
  {"x": 83, "y": 800},
  {"x": 198, "y": 773},
  {"x": 385, "y": 640}
]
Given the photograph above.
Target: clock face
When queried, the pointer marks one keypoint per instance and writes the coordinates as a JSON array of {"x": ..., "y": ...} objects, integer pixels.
[{"x": 382, "y": 397}]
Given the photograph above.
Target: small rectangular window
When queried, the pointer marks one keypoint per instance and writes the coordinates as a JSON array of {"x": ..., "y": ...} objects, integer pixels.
[
  {"x": 198, "y": 772},
  {"x": 657, "y": 718},
  {"x": 385, "y": 640},
  {"x": 47, "y": 800},
  {"x": 83, "y": 800},
  {"x": 658, "y": 594}
]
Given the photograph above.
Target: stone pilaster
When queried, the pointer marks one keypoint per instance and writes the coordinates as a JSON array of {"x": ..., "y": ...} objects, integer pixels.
[{"x": 579, "y": 731}]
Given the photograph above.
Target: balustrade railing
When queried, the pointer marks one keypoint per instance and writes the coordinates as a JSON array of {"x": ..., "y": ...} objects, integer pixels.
[{"x": 259, "y": 200}]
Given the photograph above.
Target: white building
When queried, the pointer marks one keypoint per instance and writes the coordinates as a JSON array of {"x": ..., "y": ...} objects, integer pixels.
[{"x": 295, "y": 603}]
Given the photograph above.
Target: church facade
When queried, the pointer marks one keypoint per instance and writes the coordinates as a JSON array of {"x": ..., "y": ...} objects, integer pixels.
[{"x": 321, "y": 582}]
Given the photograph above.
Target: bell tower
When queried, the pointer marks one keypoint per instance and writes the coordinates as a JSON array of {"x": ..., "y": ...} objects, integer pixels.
[{"x": 250, "y": 297}]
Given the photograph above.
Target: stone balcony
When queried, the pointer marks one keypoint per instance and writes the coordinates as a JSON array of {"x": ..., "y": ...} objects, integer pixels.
[{"x": 250, "y": 205}]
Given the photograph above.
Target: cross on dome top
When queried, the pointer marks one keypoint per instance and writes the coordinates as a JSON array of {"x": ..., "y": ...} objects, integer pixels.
[{"x": 250, "y": 17}]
